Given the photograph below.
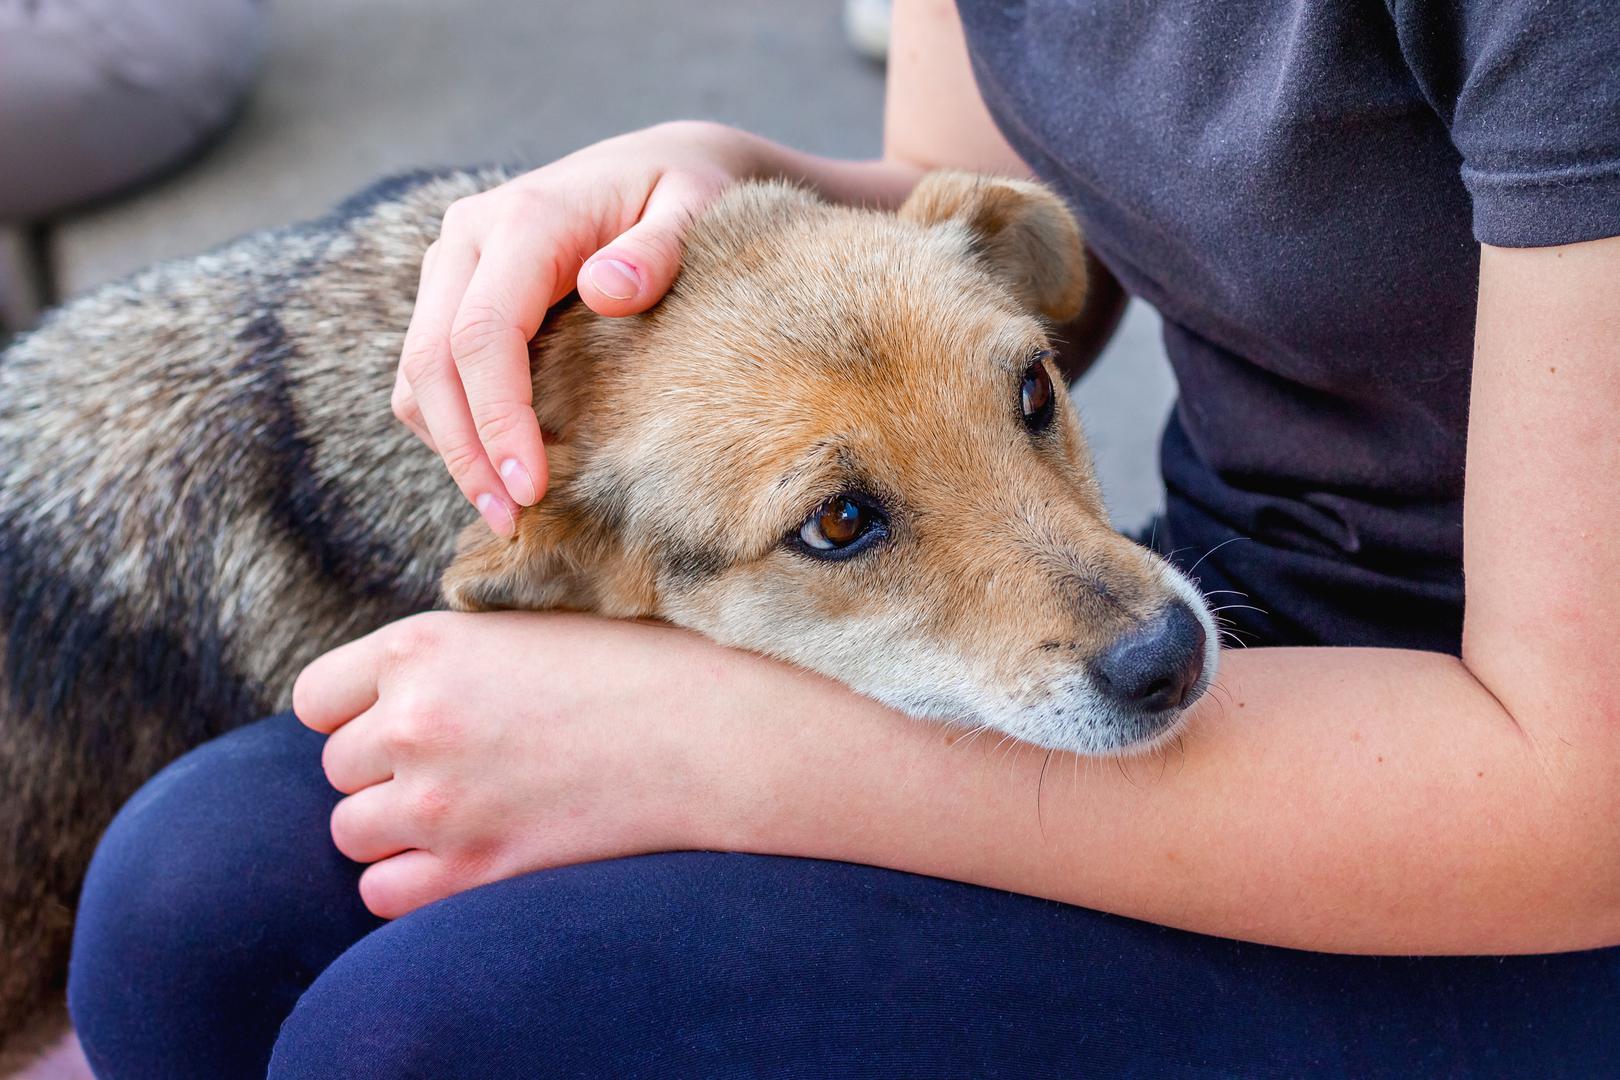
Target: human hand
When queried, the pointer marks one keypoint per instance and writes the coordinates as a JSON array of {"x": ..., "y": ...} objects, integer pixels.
[
  {"x": 607, "y": 220},
  {"x": 474, "y": 748}
]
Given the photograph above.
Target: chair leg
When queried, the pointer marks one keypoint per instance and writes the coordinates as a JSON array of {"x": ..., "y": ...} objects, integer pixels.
[{"x": 25, "y": 285}]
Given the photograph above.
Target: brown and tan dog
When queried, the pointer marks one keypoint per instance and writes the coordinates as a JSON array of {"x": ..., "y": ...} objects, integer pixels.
[{"x": 837, "y": 442}]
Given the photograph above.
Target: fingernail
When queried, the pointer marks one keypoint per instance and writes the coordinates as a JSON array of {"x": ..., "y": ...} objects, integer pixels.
[
  {"x": 614, "y": 278},
  {"x": 519, "y": 484},
  {"x": 497, "y": 514}
]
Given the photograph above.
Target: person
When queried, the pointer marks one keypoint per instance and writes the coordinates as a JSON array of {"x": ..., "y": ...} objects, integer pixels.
[{"x": 1383, "y": 240}]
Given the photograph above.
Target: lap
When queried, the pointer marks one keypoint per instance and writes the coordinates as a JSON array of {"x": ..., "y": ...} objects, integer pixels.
[
  {"x": 217, "y": 902},
  {"x": 717, "y": 965}
]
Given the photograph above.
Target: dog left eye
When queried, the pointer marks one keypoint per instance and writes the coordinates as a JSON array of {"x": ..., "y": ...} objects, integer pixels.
[
  {"x": 841, "y": 526},
  {"x": 1036, "y": 397}
]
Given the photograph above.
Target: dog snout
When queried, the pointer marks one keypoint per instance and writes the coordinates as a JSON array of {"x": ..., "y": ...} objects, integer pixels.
[{"x": 1154, "y": 667}]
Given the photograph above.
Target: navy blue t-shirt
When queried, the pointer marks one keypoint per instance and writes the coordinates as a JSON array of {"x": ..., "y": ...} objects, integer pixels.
[{"x": 1300, "y": 187}]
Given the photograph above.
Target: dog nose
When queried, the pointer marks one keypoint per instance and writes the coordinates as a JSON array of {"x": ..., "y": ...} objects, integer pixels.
[{"x": 1156, "y": 666}]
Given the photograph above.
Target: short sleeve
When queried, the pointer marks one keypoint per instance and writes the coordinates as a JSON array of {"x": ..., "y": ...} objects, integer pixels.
[{"x": 1530, "y": 91}]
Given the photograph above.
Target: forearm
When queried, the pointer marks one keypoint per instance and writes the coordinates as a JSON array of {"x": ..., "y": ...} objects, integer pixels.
[
  {"x": 882, "y": 183},
  {"x": 1330, "y": 799}
]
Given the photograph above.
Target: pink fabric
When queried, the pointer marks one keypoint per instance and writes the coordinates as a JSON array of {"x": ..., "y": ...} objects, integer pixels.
[{"x": 64, "y": 1062}]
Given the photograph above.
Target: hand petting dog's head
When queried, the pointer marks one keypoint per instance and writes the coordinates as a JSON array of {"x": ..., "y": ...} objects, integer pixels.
[{"x": 841, "y": 441}]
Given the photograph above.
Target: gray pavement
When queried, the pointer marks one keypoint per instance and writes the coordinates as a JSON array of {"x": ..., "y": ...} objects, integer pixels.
[{"x": 355, "y": 89}]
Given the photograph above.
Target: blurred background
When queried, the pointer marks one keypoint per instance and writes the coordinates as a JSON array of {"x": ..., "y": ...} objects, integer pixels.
[{"x": 138, "y": 130}]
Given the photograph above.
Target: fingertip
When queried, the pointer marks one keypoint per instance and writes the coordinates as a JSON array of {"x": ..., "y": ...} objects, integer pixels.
[
  {"x": 378, "y": 895},
  {"x": 302, "y": 706},
  {"x": 520, "y": 482},
  {"x": 316, "y": 702},
  {"x": 497, "y": 514},
  {"x": 614, "y": 277},
  {"x": 400, "y": 884}
]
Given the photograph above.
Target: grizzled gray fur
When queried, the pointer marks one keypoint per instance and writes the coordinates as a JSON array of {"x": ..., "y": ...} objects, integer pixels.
[{"x": 147, "y": 603}]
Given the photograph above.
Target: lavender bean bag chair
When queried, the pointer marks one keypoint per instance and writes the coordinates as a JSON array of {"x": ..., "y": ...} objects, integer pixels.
[{"x": 98, "y": 94}]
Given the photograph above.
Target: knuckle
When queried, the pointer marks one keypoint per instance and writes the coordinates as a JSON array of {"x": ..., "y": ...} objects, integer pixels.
[
  {"x": 694, "y": 187},
  {"x": 479, "y": 325},
  {"x": 524, "y": 203},
  {"x": 423, "y": 360},
  {"x": 458, "y": 215},
  {"x": 497, "y": 421},
  {"x": 399, "y": 738},
  {"x": 403, "y": 404},
  {"x": 431, "y": 804},
  {"x": 413, "y": 638},
  {"x": 461, "y": 456},
  {"x": 423, "y": 725}
]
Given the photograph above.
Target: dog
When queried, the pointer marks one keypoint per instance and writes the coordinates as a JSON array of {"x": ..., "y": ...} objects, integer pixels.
[{"x": 840, "y": 441}]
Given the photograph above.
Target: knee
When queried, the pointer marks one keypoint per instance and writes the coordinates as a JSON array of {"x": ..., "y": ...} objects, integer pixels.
[
  {"x": 585, "y": 968},
  {"x": 557, "y": 966},
  {"x": 191, "y": 875}
]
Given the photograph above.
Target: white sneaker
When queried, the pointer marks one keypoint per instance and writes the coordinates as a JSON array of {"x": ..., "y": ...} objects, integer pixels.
[{"x": 866, "y": 24}]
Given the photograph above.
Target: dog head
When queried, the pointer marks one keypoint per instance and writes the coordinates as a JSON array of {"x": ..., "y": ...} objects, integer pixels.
[{"x": 842, "y": 441}]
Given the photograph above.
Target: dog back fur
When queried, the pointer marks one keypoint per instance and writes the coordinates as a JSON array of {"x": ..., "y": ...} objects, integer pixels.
[{"x": 200, "y": 490}]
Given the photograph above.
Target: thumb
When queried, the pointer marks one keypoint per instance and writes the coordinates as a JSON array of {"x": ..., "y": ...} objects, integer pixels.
[{"x": 633, "y": 272}]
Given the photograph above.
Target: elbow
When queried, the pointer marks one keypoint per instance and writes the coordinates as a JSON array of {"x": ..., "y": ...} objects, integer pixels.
[
  {"x": 1558, "y": 826},
  {"x": 1579, "y": 841}
]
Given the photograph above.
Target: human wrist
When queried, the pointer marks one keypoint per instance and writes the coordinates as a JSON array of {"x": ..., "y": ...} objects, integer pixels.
[
  {"x": 881, "y": 183},
  {"x": 743, "y": 156}
]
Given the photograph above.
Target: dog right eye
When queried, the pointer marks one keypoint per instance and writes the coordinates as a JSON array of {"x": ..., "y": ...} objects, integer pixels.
[
  {"x": 840, "y": 527},
  {"x": 1035, "y": 397}
]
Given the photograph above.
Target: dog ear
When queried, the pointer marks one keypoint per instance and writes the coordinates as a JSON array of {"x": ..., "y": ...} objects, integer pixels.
[
  {"x": 1021, "y": 229},
  {"x": 564, "y": 555}
]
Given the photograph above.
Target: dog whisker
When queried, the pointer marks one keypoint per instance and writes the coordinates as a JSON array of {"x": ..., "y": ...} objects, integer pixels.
[
  {"x": 1238, "y": 607},
  {"x": 1040, "y": 785},
  {"x": 970, "y": 736},
  {"x": 1213, "y": 550}
]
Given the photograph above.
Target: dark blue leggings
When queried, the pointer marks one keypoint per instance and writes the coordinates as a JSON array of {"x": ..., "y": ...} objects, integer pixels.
[{"x": 221, "y": 936}]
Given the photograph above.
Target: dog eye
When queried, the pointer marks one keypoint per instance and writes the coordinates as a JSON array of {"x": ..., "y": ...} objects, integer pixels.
[
  {"x": 840, "y": 526},
  {"x": 1036, "y": 397}
]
